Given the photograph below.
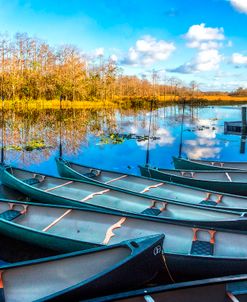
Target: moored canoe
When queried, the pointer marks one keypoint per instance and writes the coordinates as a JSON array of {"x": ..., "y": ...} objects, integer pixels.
[
  {"x": 96, "y": 196},
  {"x": 189, "y": 252},
  {"x": 165, "y": 190},
  {"x": 84, "y": 274},
  {"x": 226, "y": 181},
  {"x": 194, "y": 164},
  {"x": 230, "y": 288}
]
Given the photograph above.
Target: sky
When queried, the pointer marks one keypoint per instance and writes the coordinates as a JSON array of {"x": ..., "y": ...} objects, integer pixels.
[{"x": 193, "y": 40}]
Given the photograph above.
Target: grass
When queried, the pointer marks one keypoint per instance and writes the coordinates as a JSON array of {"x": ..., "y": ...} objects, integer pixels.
[{"x": 98, "y": 104}]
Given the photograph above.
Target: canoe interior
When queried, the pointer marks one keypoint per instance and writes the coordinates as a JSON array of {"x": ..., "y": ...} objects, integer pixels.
[
  {"x": 217, "y": 164},
  {"x": 99, "y": 228},
  {"x": 213, "y": 293},
  {"x": 50, "y": 277},
  {"x": 221, "y": 176},
  {"x": 165, "y": 190},
  {"x": 112, "y": 199}
]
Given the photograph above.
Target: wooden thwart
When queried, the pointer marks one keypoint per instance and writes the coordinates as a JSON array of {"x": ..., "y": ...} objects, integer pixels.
[
  {"x": 232, "y": 297},
  {"x": 228, "y": 176},
  {"x": 59, "y": 186},
  {"x": 115, "y": 179},
  {"x": 56, "y": 220},
  {"x": 151, "y": 187},
  {"x": 109, "y": 232},
  {"x": 90, "y": 196}
]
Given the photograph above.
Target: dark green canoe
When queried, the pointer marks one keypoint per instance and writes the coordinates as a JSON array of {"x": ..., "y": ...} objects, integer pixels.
[
  {"x": 193, "y": 164},
  {"x": 161, "y": 190},
  {"x": 97, "y": 196},
  {"x": 227, "y": 181},
  {"x": 189, "y": 252},
  {"x": 84, "y": 274},
  {"x": 225, "y": 289}
]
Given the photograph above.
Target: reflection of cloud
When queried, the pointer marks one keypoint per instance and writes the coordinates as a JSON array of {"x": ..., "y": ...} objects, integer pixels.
[
  {"x": 201, "y": 141},
  {"x": 165, "y": 139},
  {"x": 206, "y": 133},
  {"x": 198, "y": 152}
]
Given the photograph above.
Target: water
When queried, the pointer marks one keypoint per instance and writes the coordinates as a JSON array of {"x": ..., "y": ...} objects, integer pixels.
[{"x": 85, "y": 137}]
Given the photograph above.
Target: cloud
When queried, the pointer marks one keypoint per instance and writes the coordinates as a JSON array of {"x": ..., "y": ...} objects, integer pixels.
[
  {"x": 198, "y": 152},
  {"x": 207, "y": 40},
  {"x": 99, "y": 52},
  {"x": 202, "y": 37},
  {"x": 205, "y": 60},
  {"x": 239, "y": 5},
  {"x": 147, "y": 51},
  {"x": 239, "y": 59},
  {"x": 165, "y": 139}
]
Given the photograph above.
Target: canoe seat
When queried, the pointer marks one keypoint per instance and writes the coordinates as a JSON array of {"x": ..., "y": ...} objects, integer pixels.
[
  {"x": 151, "y": 211},
  {"x": 37, "y": 178},
  {"x": 93, "y": 173},
  {"x": 200, "y": 247},
  {"x": 208, "y": 203},
  {"x": 10, "y": 215},
  {"x": 90, "y": 175}
]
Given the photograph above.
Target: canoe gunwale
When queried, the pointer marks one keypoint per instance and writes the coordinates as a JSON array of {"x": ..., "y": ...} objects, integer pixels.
[
  {"x": 171, "y": 201},
  {"x": 101, "y": 209},
  {"x": 170, "y": 287}
]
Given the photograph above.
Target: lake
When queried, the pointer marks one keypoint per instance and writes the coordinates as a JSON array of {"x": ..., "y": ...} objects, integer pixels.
[{"x": 117, "y": 139}]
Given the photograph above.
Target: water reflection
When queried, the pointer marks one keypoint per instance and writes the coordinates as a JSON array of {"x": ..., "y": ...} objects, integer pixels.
[{"x": 84, "y": 130}]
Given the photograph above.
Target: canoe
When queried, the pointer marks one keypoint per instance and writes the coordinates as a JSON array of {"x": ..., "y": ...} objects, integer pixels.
[
  {"x": 227, "y": 181},
  {"x": 189, "y": 252},
  {"x": 84, "y": 274},
  {"x": 192, "y": 164},
  {"x": 169, "y": 191},
  {"x": 224, "y": 289},
  {"x": 96, "y": 196}
]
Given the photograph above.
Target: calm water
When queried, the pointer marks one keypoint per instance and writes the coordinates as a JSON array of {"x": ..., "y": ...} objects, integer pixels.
[
  {"x": 87, "y": 139},
  {"x": 94, "y": 138}
]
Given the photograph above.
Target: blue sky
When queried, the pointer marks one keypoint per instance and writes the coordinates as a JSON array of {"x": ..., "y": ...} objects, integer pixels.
[{"x": 201, "y": 40}]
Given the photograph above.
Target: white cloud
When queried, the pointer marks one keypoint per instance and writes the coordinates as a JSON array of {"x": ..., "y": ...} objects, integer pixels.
[
  {"x": 207, "y": 40},
  {"x": 99, "y": 52},
  {"x": 147, "y": 51},
  {"x": 165, "y": 139},
  {"x": 239, "y": 59},
  {"x": 114, "y": 58},
  {"x": 205, "y": 60},
  {"x": 199, "y": 36},
  {"x": 239, "y": 5},
  {"x": 198, "y": 152}
]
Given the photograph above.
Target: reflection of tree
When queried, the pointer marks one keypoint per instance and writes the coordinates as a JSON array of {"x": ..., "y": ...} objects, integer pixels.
[{"x": 24, "y": 127}]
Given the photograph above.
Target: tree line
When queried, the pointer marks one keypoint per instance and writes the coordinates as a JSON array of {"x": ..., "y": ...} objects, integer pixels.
[{"x": 32, "y": 69}]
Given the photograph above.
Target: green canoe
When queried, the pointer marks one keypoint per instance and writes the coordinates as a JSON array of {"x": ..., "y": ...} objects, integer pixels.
[
  {"x": 84, "y": 274},
  {"x": 193, "y": 164},
  {"x": 189, "y": 252},
  {"x": 224, "y": 289},
  {"x": 55, "y": 190},
  {"x": 168, "y": 191},
  {"x": 227, "y": 181}
]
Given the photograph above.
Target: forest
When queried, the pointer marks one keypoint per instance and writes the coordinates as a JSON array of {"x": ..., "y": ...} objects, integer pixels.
[{"x": 33, "y": 70}]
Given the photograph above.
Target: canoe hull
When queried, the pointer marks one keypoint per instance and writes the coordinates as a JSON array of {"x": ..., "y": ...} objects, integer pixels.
[
  {"x": 225, "y": 187},
  {"x": 182, "y": 164},
  {"x": 142, "y": 268}
]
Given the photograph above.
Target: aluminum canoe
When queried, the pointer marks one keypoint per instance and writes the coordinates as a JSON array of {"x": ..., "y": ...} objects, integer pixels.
[
  {"x": 224, "y": 289},
  {"x": 193, "y": 164},
  {"x": 226, "y": 181},
  {"x": 189, "y": 252},
  {"x": 48, "y": 189},
  {"x": 147, "y": 186},
  {"x": 83, "y": 274}
]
